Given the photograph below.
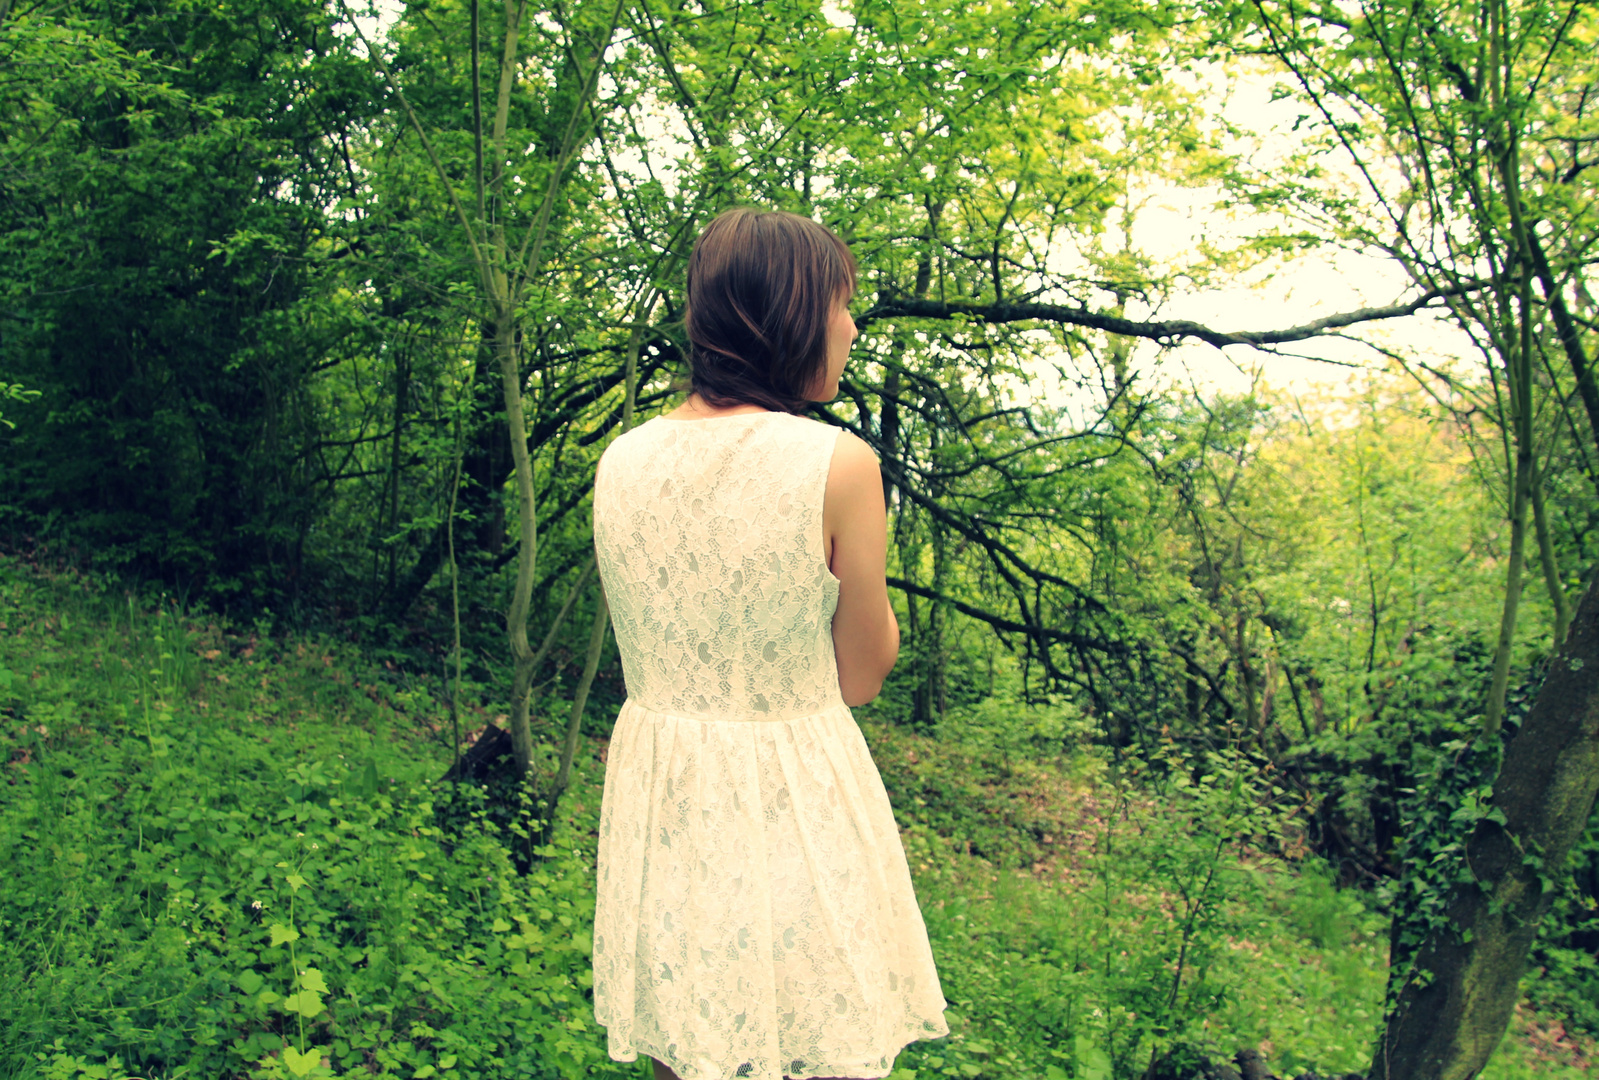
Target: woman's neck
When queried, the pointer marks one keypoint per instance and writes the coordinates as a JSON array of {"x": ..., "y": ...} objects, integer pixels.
[{"x": 695, "y": 408}]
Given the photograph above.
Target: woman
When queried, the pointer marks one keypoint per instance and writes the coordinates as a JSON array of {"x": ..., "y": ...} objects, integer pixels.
[{"x": 754, "y": 915}]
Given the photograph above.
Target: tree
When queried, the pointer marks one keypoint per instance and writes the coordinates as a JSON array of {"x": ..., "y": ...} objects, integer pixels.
[
  {"x": 957, "y": 150},
  {"x": 1468, "y": 127},
  {"x": 164, "y": 257}
]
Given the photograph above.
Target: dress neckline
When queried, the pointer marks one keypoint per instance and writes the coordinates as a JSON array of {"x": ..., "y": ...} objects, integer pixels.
[{"x": 724, "y": 416}]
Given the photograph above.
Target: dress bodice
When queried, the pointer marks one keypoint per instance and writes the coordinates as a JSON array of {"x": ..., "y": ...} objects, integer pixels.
[{"x": 709, "y": 541}]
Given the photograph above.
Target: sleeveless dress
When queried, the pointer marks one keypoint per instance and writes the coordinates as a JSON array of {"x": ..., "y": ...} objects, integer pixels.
[{"x": 754, "y": 914}]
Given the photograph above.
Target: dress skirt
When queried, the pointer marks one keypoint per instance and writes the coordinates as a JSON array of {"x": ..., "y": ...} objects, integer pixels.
[{"x": 754, "y": 913}]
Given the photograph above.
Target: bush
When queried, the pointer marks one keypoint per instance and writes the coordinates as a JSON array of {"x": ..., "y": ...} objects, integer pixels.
[
  {"x": 222, "y": 859},
  {"x": 1152, "y": 931},
  {"x": 229, "y": 856}
]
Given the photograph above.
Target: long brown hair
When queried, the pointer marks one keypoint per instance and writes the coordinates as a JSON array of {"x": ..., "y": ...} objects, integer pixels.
[{"x": 761, "y": 288}]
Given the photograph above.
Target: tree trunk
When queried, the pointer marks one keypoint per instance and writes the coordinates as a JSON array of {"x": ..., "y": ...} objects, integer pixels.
[
  {"x": 888, "y": 430},
  {"x": 1566, "y": 329},
  {"x": 934, "y": 699},
  {"x": 484, "y": 467},
  {"x": 391, "y": 512},
  {"x": 1446, "y": 1029},
  {"x": 1514, "y": 569},
  {"x": 527, "y": 536},
  {"x": 1546, "y": 556},
  {"x": 488, "y": 455},
  {"x": 1518, "y": 378},
  {"x": 602, "y": 611}
]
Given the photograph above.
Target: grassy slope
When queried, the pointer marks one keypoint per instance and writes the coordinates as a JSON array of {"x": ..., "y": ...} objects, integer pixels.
[
  {"x": 1043, "y": 926},
  {"x": 221, "y": 858}
]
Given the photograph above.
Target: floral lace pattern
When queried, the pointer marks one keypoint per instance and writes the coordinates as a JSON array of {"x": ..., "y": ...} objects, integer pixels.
[
  {"x": 709, "y": 536},
  {"x": 754, "y": 914}
]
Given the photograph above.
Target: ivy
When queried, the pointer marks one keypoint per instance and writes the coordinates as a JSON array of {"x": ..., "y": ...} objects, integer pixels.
[{"x": 1438, "y": 818}]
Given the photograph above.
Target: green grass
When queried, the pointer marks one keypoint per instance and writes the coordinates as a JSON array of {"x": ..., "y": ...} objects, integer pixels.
[
  {"x": 1048, "y": 944},
  {"x": 1060, "y": 951},
  {"x": 223, "y": 857}
]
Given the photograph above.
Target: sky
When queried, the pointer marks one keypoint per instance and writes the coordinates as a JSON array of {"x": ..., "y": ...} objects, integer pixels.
[
  {"x": 1293, "y": 293},
  {"x": 1288, "y": 293}
]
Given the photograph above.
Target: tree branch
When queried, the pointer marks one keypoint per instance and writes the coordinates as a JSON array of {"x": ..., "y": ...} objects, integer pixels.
[
  {"x": 1048, "y": 633},
  {"x": 1167, "y": 333}
]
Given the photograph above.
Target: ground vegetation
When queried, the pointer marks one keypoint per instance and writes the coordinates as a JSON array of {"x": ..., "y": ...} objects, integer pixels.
[{"x": 314, "y": 320}]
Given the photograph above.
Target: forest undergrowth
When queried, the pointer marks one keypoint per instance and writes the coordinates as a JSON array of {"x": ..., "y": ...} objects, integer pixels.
[{"x": 229, "y": 854}]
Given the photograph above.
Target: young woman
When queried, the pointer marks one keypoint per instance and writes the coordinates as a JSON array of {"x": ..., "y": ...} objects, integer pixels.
[{"x": 754, "y": 916}]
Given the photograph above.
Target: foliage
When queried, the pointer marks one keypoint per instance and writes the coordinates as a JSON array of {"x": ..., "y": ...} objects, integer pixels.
[
  {"x": 243, "y": 874},
  {"x": 1149, "y": 928},
  {"x": 1462, "y": 127},
  {"x": 1566, "y": 977},
  {"x": 168, "y": 773},
  {"x": 222, "y": 859},
  {"x": 166, "y": 250},
  {"x": 14, "y": 392}
]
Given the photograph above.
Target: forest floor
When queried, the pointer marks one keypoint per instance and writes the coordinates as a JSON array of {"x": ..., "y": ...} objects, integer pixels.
[
  {"x": 1016, "y": 866},
  {"x": 229, "y": 855}
]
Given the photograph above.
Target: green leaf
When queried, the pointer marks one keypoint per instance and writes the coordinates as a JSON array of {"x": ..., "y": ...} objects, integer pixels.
[
  {"x": 311, "y": 979},
  {"x": 296, "y": 882},
  {"x": 1092, "y": 1062},
  {"x": 423, "y": 1073},
  {"x": 249, "y": 981},
  {"x": 282, "y": 935},
  {"x": 305, "y": 1002},
  {"x": 301, "y": 1064}
]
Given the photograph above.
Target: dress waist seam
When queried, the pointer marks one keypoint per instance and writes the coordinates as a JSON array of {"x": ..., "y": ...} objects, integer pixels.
[{"x": 752, "y": 717}]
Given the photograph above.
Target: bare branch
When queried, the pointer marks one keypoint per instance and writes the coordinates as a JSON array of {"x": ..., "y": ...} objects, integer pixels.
[
  {"x": 1166, "y": 333},
  {"x": 998, "y": 622}
]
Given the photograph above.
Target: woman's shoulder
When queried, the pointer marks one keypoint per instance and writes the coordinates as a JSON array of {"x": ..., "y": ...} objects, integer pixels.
[
  {"x": 626, "y": 445},
  {"x": 853, "y": 464},
  {"x": 820, "y": 430},
  {"x": 634, "y": 436},
  {"x": 825, "y": 433},
  {"x": 852, "y": 448},
  {"x": 850, "y": 457}
]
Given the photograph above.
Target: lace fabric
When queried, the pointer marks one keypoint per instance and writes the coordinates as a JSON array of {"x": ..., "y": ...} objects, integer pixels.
[{"x": 754, "y": 915}]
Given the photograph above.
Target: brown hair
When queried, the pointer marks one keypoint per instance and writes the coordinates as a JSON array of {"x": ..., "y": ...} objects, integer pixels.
[{"x": 761, "y": 288}]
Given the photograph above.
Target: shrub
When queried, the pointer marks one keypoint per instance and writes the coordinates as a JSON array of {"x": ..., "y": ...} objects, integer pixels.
[{"x": 222, "y": 860}]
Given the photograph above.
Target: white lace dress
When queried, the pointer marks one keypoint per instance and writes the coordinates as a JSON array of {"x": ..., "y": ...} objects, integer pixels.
[{"x": 755, "y": 916}]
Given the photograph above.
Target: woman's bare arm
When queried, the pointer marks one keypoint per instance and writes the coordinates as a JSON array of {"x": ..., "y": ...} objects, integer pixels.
[{"x": 865, "y": 632}]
